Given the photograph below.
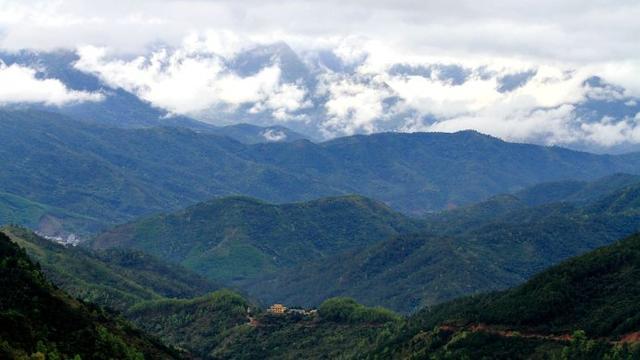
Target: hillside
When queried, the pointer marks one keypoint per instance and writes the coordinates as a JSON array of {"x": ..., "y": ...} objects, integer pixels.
[
  {"x": 489, "y": 246},
  {"x": 116, "y": 174},
  {"x": 597, "y": 293},
  {"x": 44, "y": 218},
  {"x": 199, "y": 324},
  {"x": 38, "y": 318},
  {"x": 236, "y": 239},
  {"x": 340, "y": 329},
  {"x": 115, "y": 278}
]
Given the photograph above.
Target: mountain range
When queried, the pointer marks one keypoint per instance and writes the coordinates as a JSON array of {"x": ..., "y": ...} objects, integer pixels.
[
  {"x": 113, "y": 175},
  {"x": 585, "y": 307},
  {"x": 306, "y": 252},
  {"x": 235, "y": 239},
  {"x": 307, "y": 90}
]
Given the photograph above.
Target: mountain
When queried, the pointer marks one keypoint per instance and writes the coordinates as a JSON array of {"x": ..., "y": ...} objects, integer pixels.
[
  {"x": 54, "y": 222},
  {"x": 38, "y": 320},
  {"x": 251, "y": 134},
  {"x": 237, "y": 239},
  {"x": 340, "y": 329},
  {"x": 172, "y": 304},
  {"x": 594, "y": 296},
  {"x": 421, "y": 172},
  {"x": 199, "y": 324},
  {"x": 319, "y": 78},
  {"x": 116, "y": 278},
  {"x": 116, "y": 175},
  {"x": 573, "y": 190},
  {"x": 488, "y": 246},
  {"x": 584, "y": 308},
  {"x": 121, "y": 108}
]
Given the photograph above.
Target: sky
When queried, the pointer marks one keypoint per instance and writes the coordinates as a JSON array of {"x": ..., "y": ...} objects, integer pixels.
[{"x": 521, "y": 65}]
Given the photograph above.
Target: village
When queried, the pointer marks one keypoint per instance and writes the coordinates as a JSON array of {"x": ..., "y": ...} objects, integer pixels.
[{"x": 280, "y": 309}]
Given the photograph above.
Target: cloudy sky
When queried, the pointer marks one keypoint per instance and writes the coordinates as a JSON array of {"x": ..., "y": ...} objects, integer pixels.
[{"x": 513, "y": 69}]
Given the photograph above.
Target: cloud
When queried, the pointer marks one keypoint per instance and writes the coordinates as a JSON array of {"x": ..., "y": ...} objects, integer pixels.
[
  {"x": 274, "y": 135},
  {"x": 192, "y": 79},
  {"x": 609, "y": 132},
  {"x": 512, "y": 69},
  {"x": 19, "y": 84},
  {"x": 353, "y": 104},
  {"x": 569, "y": 30}
]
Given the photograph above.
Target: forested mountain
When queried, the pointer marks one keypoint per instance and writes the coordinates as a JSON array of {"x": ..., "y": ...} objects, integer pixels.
[
  {"x": 597, "y": 293},
  {"x": 38, "y": 319},
  {"x": 584, "y": 308},
  {"x": 491, "y": 245},
  {"x": 114, "y": 175},
  {"x": 169, "y": 302},
  {"x": 115, "y": 278},
  {"x": 237, "y": 239},
  {"x": 47, "y": 219}
]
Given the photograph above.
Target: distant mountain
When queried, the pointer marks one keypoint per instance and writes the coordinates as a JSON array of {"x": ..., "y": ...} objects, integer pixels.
[
  {"x": 251, "y": 134},
  {"x": 573, "y": 190},
  {"x": 492, "y": 245},
  {"x": 237, "y": 239},
  {"x": 598, "y": 293},
  {"x": 116, "y": 278},
  {"x": 121, "y": 108},
  {"x": 115, "y": 175},
  {"x": 38, "y": 320},
  {"x": 45, "y": 219}
]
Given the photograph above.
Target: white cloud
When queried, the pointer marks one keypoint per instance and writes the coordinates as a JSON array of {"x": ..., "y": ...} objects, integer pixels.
[
  {"x": 274, "y": 135},
  {"x": 568, "y": 30},
  {"x": 354, "y": 104},
  {"x": 190, "y": 80},
  {"x": 549, "y": 126},
  {"x": 19, "y": 84},
  {"x": 563, "y": 42},
  {"x": 284, "y": 101}
]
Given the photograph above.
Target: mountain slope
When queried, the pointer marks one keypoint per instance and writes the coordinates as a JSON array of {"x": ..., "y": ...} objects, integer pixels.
[
  {"x": 432, "y": 171},
  {"x": 598, "y": 293},
  {"x": 116, "y": 174},
  {"x": 119, "y": 174},
  {"x": 465, "y": 252},
  {"x": 44, "y": 218},
  {"x": 235, "y": 239},
  {"x": 199, "y": 324},
  {"x": 115, "y": 278},
  {"x": 36, "y": 317}
]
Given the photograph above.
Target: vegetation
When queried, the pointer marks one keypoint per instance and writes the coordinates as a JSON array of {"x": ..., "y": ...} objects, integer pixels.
[
  {"x": 581, "y": 309},
  {"x": 198, "y": 324},
  {"x": 37, "y": 320},
  {"x": 116, "y": 278},
  {"x": 116, "y": 175},
  {"x": 489, "y": 246},
  {"x": 47, "y": 219},
  {"x": 237, "y": 239},
  {"x": 327, "y": 335},
  {"x": 347, "y": 310},
  {"x": 572, "y": 311}
]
